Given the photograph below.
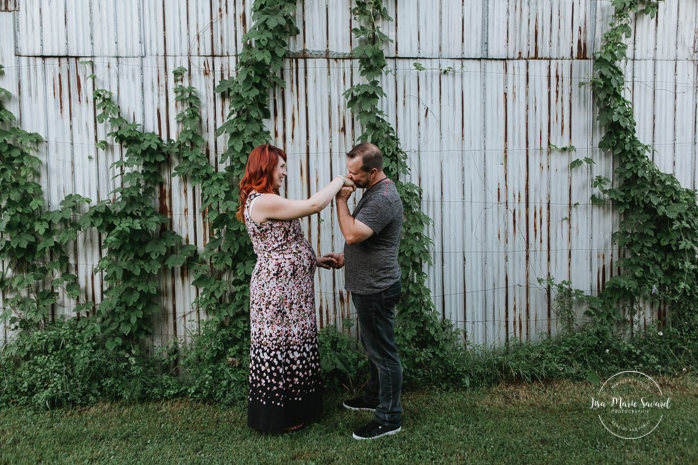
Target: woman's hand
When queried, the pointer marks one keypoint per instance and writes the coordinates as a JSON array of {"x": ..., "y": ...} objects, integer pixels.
[{"x": 348, "y": 182}]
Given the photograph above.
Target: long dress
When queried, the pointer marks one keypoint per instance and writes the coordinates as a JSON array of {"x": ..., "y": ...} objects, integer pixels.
[{"x": 285, "y": 382}]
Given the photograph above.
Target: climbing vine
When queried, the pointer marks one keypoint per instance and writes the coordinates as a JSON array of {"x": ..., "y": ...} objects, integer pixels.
[
  {"x": 419, "y": 326},
  {"x": 32, "y": 239},
  {"x": 135, "y": 240},
  {"x": 229, "y": 249},
  {"x": 659, "y": 217},
  {"x": 189, "y": 146}
]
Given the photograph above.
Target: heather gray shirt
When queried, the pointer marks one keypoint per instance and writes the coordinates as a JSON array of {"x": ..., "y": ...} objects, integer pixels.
[{"x": 371, "y": 266}]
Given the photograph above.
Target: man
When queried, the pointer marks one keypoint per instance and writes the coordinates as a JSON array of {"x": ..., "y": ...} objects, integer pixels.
[{"x": 372, "y": 235}]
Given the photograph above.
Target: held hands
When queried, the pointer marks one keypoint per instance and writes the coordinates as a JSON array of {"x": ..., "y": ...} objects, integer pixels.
[
  {"x": 334, "y": 260},
  {"x": 326, "y": 262},
  {"x": 346, "y": 191},
  {"x": 348, "y": 182}
]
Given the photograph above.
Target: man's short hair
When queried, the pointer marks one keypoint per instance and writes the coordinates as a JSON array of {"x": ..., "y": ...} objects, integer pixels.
[{"x": 370, "y": 154}]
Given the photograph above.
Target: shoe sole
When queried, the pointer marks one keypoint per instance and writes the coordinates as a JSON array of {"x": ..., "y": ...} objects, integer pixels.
[
  {"x": 367, "y": 409},
  {"x": 388, "y": 433}
]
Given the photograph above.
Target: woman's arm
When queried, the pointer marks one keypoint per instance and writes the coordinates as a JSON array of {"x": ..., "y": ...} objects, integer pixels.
[{"x": 274, "y": 207}]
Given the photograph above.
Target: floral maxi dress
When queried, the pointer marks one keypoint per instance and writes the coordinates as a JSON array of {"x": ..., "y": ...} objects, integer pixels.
[{"x": 285, "y": 385}]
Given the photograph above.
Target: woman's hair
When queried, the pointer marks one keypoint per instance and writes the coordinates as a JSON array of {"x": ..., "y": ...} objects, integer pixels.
[{"x": 259, "y": 174}]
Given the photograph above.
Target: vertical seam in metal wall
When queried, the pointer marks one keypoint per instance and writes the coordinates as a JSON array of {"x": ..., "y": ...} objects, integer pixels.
[{"x": 485, "y": 31}]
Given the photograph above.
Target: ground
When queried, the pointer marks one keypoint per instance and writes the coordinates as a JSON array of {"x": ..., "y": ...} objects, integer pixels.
[{"x": 541, "y": 423}]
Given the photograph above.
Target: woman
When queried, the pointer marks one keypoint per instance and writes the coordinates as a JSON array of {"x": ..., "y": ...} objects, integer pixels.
[{"x": 285, "y": 390}]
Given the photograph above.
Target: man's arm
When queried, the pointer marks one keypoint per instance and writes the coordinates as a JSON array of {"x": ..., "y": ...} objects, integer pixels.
[{"x": 354, "y": 231}]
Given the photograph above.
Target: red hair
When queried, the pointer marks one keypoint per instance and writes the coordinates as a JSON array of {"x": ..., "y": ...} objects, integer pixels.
[{"x": 259, "y": 174}]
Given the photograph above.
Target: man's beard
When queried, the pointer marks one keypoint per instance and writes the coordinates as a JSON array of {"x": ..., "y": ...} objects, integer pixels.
[{"x": 360, "y": 184}]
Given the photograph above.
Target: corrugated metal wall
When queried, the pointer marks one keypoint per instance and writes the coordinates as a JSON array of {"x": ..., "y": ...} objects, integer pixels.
[{"x": 501, "y": 84}]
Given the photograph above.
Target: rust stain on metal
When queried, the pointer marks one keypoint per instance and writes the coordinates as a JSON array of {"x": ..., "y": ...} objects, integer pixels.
[
  {"x": 601, "y": 272},
  {"x": 185, "y": 194},
  {"x": 9, "y": 5},
  {"x": 78, "y": 83},
  {"x": 535, "y": 223},
  {"x": 582, "y": 38},
  {"x": 243, "y": 18},
  {"x": 60, "y": 91},
  {"x": 581, "y": 48},
  {"x": 321, "y": 314},
  {"x": 535, "y": 39},
  {"x": 162, "y": 201},
  {"x": 276, "y": 119}
]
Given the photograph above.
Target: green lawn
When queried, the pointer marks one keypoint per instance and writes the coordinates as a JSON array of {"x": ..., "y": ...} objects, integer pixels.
[{"x": 528, "y": 424}]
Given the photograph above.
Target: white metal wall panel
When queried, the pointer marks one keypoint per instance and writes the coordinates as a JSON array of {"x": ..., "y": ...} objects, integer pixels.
[
  {"x": 477, "y": 199},
  {"x": 538, "y": 194},
  {"x": 80, "y": 28},
  {"x": 201, "y": 18},
  {"x": 687, "y": 33},
  {"x": 496, "y": 222},
  {"x": 501, "y": 84},
  {"x": 154, "y": 31},
  {"x": 28, "y": 28},
  {"x": 105, "y": 29},
  {"x": 581, "y": 122},
  {"x": 685, "y": 120},
  {"x": 340, "y": 74},
  {"x": 429, "y": 168},
  {"x": 176, "y": 27},
  {"x": 243, "y": 16},
  {"x": 10, "y": 82},
  {"x": 407, "y": 26},
  {"x": 428, "y": 33},
  {"x": 314, "y": 25},
  {"x": 223, "y": 28},
  {"x": 78, "y": 23},
  {"x": 129, "y": 28},
  {"x": 54, "y": 29},
  {"x": 85, "y": 173},
  {"x": 453, "y": 183},
  {"x": 664, "y": 86},
  {"x": 667, "y": 20},
  {"x": 497, "y": 28},
  {"x": 560, "y": 190}
]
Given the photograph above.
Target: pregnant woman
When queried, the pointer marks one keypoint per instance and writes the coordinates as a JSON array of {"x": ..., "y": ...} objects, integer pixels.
[{"x": 285, "y": 386}]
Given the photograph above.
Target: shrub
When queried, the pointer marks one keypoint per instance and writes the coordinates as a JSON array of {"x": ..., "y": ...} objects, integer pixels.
[{"x": 66, "y": 365}]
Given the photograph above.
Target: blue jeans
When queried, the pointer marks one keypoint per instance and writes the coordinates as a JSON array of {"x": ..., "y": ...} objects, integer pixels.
[{"x": 376, "y": 314}]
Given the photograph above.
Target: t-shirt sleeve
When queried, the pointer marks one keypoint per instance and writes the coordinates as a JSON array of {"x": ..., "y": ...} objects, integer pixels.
[{"x": 377, "y": 213}]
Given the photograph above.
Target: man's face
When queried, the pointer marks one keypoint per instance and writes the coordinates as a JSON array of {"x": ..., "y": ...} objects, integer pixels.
[{"x": 360, "y": 177}]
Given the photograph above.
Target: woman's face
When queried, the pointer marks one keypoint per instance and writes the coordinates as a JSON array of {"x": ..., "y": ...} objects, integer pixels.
[{"x": 279, "y": 173}]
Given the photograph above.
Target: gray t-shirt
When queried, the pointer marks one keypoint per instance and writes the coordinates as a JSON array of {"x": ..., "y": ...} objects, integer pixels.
[{"x": 371, "y": 266}]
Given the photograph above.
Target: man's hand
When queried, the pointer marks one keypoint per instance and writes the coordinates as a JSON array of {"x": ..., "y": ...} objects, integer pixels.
[
  {"x": 345, "y": 192},
  {"x": 337, "y": 258},
  {"x": 326, "y": 262}
]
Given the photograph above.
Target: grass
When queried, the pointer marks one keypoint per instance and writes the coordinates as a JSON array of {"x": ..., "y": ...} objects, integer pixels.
[{"x": 547, "y": 423}]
